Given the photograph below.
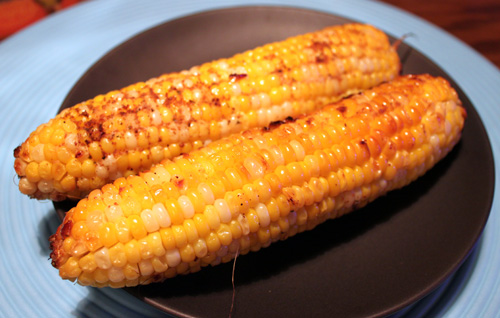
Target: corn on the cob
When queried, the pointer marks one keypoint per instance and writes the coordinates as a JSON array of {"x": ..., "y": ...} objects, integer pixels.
[
  {"x": 126, "y": 131},
  {"x": 244, "y": 192}
]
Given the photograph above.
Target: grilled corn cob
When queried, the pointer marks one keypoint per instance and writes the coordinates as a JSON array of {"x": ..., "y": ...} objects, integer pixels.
[
  {"x": 127, "y": 131},
  {"x": 243, "y": 192}
]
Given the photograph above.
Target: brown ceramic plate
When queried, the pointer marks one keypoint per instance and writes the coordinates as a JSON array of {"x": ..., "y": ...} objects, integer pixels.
[{"x": 372, "y": 262}]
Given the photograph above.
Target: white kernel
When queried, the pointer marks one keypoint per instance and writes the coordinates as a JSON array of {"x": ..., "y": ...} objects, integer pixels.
[
  {"x": 110, "y": 163},
  {"x": 269, "y": 114},
  {"x": 348, "y": 199},
  {"x": 260, "y": 141},
  {"x": 133, "y": 93},
  {"x": 224, "y": 127},
  {"x": 200, "y": 248},
  {"x": 45, "y": 186},
  {"x": 206, "y": 193},
  {"x": 173, "y": 257},
  {"x": 245, "y": 227},
  {"x": 254, "y": 168},
  {"x": 113, "y": 212},
  {"x": 151, "y": 178},
  {"x": 223, "y": 210},
  {"x": 275, "y": 113},
  {"x": 177, "y": 83},
  {"x": 197, "y": 95},
  {"x": 26, "y": 186},
  {"x": 255, "y": 101},
  {"x": 263, "y": 214},
  {"x": 305, "y": 71},
  {"x": 162, "y": 173},
  {"x": 116, "y": 274},
  {"x": 149, "y": 220},
  {"x": 277, "y": 155},
  {"x": 262, "y": 119},
  {"x": 37, "y": 154},
  {"x": 102, "y": 258},
  {"x": 94, "y": 219},
  {"x": 265, "y": 100},
  {"x": 287, "y": 109},
  {"x": 101, "y": 172},
  {"x": 434, "y": 140},
  {"x": 298, "y": 149},
  {"x": 130, "y": 140},
  {"x": 188, "y": 83},
  {"x": 213, "y": 78},
  {"x": 223, "y": 65},
  {"x": 186, "y": 206},
  {"x": 156, "y": 118},
  {"x": 145, "y": 267},
  {"x": 161, "y": 215},
  {"x": 70, "y": 142},
  {"x": 240, "y": 70},
  {"x": 117, "y": 96}
]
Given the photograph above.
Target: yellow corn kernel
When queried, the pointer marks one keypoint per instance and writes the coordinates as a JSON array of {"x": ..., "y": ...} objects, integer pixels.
[
  {"x": 107, "y": 234},
  {"x": 167, "y": 238},
  {"x": 179, "y": 236},
  {"x": 224, "y": 234},
  {"x": 187, "y": 253},
  {"x": 137, "y": 228},
  {"x": 32, "y": 173},
  {"x": 213, "y": 242}
]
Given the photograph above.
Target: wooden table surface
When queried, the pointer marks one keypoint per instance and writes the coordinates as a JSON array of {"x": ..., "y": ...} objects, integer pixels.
[{"x": 475, "y": 22}]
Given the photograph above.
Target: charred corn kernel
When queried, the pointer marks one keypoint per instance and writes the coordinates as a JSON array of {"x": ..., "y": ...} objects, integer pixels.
[
  {"x": 129, "y": 130},
  {"x": 322, "y": 180}
]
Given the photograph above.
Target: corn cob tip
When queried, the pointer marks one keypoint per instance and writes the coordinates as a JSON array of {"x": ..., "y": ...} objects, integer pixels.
[{"x": 246, "y": 191}]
